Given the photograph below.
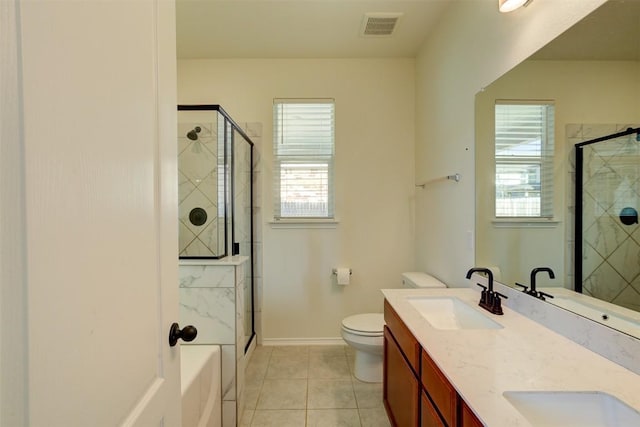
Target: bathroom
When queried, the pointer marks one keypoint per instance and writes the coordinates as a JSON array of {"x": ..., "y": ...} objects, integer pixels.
[
  {"x": 442, "y": 239},
  {"x": 297, "y": 262},
  {"x": 298, "y": 259}
]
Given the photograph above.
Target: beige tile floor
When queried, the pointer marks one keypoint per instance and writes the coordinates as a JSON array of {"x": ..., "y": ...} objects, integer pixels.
[{"x": 297, "y": 386}]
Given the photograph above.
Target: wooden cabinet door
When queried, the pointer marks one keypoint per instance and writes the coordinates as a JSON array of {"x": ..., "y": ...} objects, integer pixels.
[
  {"x": 429, "y": 415},
  {"x": 401, "y": 390},
  {"x": 442, "y": 393}
]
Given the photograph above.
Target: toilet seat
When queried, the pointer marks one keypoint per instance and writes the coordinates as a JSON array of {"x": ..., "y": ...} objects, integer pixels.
[{"x": 368, "y": 324}]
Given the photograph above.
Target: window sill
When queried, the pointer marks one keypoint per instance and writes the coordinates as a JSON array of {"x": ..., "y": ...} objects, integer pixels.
[
  {"x": 525, "y": 223},
  {"x": 304, "y": 223}
]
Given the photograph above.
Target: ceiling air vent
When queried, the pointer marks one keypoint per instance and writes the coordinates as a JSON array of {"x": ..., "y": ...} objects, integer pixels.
[{"x": 379, "y": 24}]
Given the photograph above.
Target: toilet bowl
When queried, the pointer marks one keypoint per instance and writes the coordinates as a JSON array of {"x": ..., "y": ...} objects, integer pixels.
[{"x": 364, "y": 332}]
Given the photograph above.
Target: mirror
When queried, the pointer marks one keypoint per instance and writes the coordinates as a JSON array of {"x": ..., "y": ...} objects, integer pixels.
[
  {"x": 202, "y": 226},
  {"x": 592, "y": 75}
]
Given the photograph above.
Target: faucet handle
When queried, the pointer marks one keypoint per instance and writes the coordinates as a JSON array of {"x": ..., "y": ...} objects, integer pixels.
[
  {"x": 483, "y": 294},
  {"x": 522, "y": 286},
  {"x": 541, "y": 295},
  {"x": 496, "y": 304},
  {"x": 498, "y": 294}
]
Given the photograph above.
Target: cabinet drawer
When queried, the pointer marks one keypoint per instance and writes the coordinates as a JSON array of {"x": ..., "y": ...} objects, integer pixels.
[
  {"x": 442, "y": 393},
  {"x": 403, "y": 336},
  {"x": 469, "y": 419},
  {"x": 429, "y": 415},
  {"x": 401, "y": 389}
]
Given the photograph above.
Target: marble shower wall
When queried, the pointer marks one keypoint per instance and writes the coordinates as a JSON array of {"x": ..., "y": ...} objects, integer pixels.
[
  {"x": 611, "y": 249},
  {"x": 212, "y": 299}
]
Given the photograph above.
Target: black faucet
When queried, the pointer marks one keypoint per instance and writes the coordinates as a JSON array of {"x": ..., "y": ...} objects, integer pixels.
[
  {"x": 486, "y": 271},
  {"x": 489, "y": 299},
  {"x": 534, "y": 272}
]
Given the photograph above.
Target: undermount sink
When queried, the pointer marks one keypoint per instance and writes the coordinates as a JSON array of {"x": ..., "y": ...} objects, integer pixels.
[
  {"x": 572, "y": 408},
  {"x": 451, "y": 313}
]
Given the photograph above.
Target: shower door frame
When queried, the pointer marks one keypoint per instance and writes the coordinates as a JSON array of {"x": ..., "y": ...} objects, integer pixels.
[{"x": 236, "y": 127}]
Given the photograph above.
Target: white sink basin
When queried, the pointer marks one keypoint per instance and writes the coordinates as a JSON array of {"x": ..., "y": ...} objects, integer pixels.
[
  {"x": 572, "y": 408},
  {"x": 451, "y": 313}
]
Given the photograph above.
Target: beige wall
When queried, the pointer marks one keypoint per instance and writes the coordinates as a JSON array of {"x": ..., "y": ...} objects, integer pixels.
[
  {"x": 375, "y": 190},
  {"x": 584, "y": 92},
  {"x": 472, "y": 46}
]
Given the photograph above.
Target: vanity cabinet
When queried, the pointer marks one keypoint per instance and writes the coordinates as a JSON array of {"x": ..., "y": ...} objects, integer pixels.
[{"x": 415, "y": 391}]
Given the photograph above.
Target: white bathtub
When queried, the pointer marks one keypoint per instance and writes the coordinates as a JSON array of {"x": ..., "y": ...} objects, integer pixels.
[{"x": 200, "y": 378}]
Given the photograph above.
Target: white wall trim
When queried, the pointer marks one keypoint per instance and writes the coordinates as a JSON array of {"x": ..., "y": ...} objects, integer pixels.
[{"x": 303, "y": 341}]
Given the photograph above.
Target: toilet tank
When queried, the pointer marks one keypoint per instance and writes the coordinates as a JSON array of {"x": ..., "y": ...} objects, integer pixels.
[{"x": 418, "y": 279}]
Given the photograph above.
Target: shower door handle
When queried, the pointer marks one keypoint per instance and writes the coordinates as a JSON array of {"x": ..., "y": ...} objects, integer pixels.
[{"x": 188, "y": 333}]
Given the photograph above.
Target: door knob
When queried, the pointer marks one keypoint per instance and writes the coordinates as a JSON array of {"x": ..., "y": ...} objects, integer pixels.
[{"x": 188, "y": 333}]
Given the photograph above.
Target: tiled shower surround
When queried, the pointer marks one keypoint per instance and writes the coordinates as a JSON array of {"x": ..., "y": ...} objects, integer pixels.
[
  {"x": 611, "y": 249},
  {"x": 215, "y": 294}
]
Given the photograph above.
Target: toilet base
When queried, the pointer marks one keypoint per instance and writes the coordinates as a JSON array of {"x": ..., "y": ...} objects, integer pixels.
[{"x": 368, "y": 367}]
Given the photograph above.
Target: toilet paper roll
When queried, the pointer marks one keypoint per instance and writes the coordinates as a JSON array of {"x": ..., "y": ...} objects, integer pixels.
[{"x": 344, "y": 276}]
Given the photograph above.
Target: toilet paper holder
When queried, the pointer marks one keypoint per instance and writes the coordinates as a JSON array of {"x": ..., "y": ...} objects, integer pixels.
[{"x": 335, "y": 272}]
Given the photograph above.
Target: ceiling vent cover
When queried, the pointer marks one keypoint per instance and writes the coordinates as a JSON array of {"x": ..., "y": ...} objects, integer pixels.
[{"x": 379, "y": 24}]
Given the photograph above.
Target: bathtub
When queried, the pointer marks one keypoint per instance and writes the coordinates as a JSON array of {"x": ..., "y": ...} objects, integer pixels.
[{"x": 200, "y": 378}]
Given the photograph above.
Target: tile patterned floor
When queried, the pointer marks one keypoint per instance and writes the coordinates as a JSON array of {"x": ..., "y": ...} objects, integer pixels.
[{"x": 313, "y": 386}]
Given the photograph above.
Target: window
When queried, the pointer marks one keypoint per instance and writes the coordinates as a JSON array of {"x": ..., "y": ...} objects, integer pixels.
[
  {"x": 524, "y": 159},
  {"x": 303, "y": 152}
]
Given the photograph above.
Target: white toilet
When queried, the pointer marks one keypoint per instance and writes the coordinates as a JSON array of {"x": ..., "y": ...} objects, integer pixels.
[{"x": 363, "y": 332}]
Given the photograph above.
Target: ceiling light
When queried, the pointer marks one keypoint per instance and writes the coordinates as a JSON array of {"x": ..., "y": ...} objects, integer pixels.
[{"x": 510, "y": 5}]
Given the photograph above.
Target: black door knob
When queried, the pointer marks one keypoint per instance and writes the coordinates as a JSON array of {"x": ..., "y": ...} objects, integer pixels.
[{"x": 188, "y": 333}]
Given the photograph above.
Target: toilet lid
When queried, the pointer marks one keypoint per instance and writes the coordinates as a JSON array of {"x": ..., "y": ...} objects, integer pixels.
[{"x": 368, "y": 322}]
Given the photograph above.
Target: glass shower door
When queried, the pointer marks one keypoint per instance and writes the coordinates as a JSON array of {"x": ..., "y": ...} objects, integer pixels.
[
  {"x": 608, "y": 243},
  {"x": 202, "y": 185},
  {"x": 242, "y": 234}
]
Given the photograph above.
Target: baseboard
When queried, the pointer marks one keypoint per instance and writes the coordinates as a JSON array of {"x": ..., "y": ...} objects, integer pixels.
[{"x": 303, "y": 341}]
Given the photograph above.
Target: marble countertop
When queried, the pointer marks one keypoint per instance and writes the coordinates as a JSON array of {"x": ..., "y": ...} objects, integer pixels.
[{"x": 522, "y": 356}]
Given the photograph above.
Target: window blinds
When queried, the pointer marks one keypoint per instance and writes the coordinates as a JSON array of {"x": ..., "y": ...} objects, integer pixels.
[
  {"x": 524, "y": 150},
  {"x": 303, "y": 148}
]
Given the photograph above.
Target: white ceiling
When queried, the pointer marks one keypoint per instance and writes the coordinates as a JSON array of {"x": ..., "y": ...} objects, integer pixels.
[
  {"x": 299, "y": 28},
  {"x": 331, "y": 29}
]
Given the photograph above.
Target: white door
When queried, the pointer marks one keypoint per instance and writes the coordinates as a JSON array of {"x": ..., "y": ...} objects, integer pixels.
[{"x": 100, "y": 212}]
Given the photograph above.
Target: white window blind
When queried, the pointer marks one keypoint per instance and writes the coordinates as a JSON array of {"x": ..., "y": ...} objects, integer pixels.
[
  {"x": 524, "y": 149},
  {"x": 303, "y": 149}
]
